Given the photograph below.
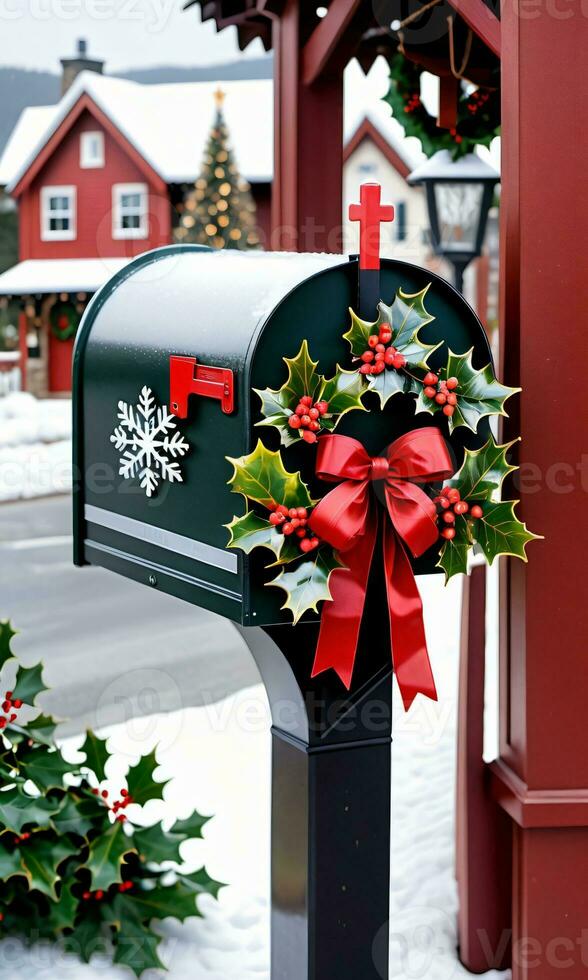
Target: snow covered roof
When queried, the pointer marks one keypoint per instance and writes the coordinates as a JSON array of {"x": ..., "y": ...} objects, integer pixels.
[
  {"x": 169, "y": 124},
  {"x": 59, "y": 275},
  {"x": 31, "y": 123}
]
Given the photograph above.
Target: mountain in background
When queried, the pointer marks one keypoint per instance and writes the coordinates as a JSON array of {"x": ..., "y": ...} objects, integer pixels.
[{"x": 21, "y": 87}]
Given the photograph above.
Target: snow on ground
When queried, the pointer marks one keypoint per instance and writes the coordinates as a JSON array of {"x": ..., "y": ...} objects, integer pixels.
[
  {"x": 35, "y": 446},
  {"x": 219, "y": 757}
]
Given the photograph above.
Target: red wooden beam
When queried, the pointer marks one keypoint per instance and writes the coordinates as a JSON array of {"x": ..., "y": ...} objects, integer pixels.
[
  {"x": 483, "y": 832},
  {"x": 307, "y": 207},
  {"x": 481, "y": 20},
  {"x": 324, "y": 41}
]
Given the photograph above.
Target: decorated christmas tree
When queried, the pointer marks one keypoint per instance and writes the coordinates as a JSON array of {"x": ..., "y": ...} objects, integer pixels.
[{"x": 219, "y": 210}]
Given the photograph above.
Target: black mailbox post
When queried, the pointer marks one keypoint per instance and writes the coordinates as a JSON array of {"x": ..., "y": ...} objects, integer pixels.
[{"x": 180, "y": 339}]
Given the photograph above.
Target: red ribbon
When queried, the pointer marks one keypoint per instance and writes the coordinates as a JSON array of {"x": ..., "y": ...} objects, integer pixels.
[{"x": 347, "y": 518}]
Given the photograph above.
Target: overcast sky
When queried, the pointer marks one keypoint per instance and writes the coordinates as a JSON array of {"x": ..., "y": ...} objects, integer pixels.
[{"x": 125, "y": 33}]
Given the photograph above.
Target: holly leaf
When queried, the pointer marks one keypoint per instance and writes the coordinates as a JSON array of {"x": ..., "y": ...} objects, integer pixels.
[
  {"x": 453, "y": 557},
  {"x": 252, "y": 531},
  {"x": 136, "y": 947},
  {"x": 479, "y": 393},
  {"x": 302, "y": 377},
  {"x": 45, "y": 767},
  {"x": 175, "y": 901},
  {"x": 141, "y": 784},
  {"x": 62, "y": 914},
  {"x": 6, "y": 635},
  {"x": 191, "y": 826},
  {"x": 307, "y": 584},
  {"x": 19, "y": 810},
  {"x": 29, "y": 683},
  {"x": 499, "y": 531},
  {"x": 483, "y": 471},
  {"x": 343, "y": 394},
  {"x": 201, "y": 883},
  {"x": 261, "y": 476},
  {"x": 41, "y": 860},
  {"x": 73, "y": 817},
  {"x": 10, "y": 863},
  {"x": 41, "y": 730},
  {"x": 106, "y": 857},
  {"x": 85, "y": 940},
  {"x": 389, "y": 383},
  {"x": 277, "y": 405},
  {"x": 97, "y": 755},
  {"x": 156, "y": 845},
  {"x": 406, "y": 316}
]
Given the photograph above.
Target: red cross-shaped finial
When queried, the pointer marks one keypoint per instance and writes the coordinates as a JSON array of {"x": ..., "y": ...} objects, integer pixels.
[{"x": 370, "y": 213}]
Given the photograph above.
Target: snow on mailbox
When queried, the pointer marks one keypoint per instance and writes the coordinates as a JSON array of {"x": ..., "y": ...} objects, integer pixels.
[{"x": 287, "y": 440}]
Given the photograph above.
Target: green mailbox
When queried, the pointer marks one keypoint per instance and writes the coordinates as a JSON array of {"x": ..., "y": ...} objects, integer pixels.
[{"x": 152, "y": 497}]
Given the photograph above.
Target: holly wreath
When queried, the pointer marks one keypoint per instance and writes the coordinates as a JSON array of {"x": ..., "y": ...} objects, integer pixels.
[
  {"x": 387, "y": 358},
  {"x": 478, "y": 112}
]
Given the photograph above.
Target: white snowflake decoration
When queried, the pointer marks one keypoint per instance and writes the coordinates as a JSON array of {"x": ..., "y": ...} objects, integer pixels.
[{"x": 147, "y": 446}]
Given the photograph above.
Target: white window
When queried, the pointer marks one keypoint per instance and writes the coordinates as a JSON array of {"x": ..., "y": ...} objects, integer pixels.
[
  {"x": 91, "y": 150},
  {"x": 129, "y": 211},
  {"x": 58, "y": 214}
]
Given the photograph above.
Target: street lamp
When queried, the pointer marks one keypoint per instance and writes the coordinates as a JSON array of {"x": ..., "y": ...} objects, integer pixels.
[{"x": 459, "y": 195}]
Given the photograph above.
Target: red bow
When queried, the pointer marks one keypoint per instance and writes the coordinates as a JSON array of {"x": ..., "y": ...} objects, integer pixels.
[{"x": 348, "y": 519}]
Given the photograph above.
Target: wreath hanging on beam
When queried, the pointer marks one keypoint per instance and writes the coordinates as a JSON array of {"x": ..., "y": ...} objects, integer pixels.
[{"x": 477, "y": 120}]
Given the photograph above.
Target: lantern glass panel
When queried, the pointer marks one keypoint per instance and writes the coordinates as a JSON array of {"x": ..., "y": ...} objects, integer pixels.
[{"x": 459, "y": 209}]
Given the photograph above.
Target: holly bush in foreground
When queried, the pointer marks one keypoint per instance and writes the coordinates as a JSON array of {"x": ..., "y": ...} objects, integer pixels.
[{"x": 74, "y": 867}]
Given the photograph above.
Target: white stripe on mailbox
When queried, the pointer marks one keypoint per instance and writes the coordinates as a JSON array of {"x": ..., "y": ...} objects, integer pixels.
[{"x": 169, "y": 540}]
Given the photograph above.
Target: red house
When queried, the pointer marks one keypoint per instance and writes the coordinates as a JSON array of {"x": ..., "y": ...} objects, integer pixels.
[{"x": 97, "y": 177}]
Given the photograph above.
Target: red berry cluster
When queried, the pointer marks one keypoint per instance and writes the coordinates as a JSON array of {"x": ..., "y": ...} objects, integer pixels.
[
  {"x": 477, "y": 101},
  {"x": 306, "y": 416},
  {"x": 98, "y": 895},
  {"x": 21, "y": 838},
  {"x": 451, "y": 505},
  {"x": 379, "y": 355},
  {"x": 118, "y": 805},
  {"x": 457, "y": 138},
  {"x": 413, "y": 102},
  {"x": 442, "y": 392},
  {"x": 293, "y": 520},
  {"x": 10, "y": 709}
]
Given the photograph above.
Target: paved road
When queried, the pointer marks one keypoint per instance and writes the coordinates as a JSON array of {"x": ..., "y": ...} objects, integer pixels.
[{"x": 111, "y": 647}]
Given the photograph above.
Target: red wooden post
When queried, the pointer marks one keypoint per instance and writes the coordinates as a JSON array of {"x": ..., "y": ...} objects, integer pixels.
[
  {"x": 307, "y": 200},
  {"x": 542, "y": 775},
  {"x": 483, "y": 843}
]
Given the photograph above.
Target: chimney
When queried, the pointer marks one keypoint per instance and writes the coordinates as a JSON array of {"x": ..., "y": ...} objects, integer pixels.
[{"x": 80, "y": 62}]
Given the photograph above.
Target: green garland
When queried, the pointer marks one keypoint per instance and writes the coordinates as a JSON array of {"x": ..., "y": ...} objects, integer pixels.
[
  {"x": 478, "y": 113},
  {"x": 64, "y": 320}
]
